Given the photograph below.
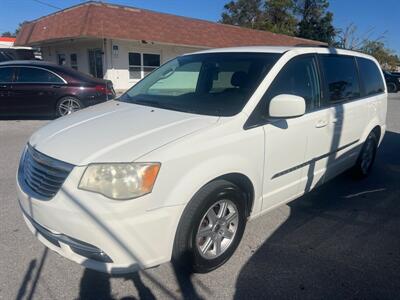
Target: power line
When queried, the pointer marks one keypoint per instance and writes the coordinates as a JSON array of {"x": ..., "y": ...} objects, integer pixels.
[{"x": 47, "y": 4}]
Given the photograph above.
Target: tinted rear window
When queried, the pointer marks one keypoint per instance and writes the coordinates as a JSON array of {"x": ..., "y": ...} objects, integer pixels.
[
  {"x": 36, "y": 75},
  {"x": 371, "y": 77},
  {"x": 6, "y": 74},
  {"x": 341, "y": 77}
]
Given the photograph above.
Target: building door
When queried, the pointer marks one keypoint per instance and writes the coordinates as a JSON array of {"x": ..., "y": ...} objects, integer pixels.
[{"x": 96, "y": 62}]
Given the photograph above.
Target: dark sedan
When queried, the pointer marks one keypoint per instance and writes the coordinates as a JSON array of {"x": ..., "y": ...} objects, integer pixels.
[
  {"x": 392, "y": 82},
  {"x": 46, "y": 89}
]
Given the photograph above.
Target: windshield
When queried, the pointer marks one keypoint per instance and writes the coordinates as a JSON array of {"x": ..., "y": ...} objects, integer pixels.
[{"x": 217, "y": 84}]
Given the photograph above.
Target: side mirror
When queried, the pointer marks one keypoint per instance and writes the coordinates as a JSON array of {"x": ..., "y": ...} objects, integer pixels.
[{"x": 287, "y": 106}]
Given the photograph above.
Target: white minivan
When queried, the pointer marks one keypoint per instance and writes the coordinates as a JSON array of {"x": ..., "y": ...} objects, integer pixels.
[{"x": 174, "y": 168}]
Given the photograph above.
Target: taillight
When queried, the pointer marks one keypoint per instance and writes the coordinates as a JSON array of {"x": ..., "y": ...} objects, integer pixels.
[{"x": 102, "y": 89}]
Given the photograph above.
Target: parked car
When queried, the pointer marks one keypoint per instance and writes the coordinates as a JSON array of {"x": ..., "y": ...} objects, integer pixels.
[
  {"x": 392, "y": 82},
  {"x": 176, "y": 166},
  {"x": 43, "y": 88},
  {"x": 7, "y": 54}
]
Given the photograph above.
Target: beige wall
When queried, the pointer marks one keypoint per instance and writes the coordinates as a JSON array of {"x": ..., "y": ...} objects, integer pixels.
[{"x": 115, "y": 66}]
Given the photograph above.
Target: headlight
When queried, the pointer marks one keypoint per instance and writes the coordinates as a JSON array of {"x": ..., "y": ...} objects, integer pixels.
[{"x": 120, "y": 181}]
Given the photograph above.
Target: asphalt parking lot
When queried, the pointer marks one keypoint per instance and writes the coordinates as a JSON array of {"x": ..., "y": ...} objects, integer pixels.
[{"x": 340, "y": 241}]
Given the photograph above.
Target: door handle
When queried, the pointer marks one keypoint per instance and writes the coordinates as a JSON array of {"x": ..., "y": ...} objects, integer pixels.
[
  {"x": 3, "y": 86},
  {"x": 56, "y": 86},
  {"x": 321, "y": 123}
]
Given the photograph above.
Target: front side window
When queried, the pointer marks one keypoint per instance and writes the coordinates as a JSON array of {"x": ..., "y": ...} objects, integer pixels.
[
  {"x": 6, "y": 74},
  {"x": 141, "y": 64},
  {"x": 217, "y": 84},
  {"x": 35, "y": 75},
  {"x": 298, "y": 77},
  {"x": 371, "y": 77},
  {"x": 341, "y": 77}
]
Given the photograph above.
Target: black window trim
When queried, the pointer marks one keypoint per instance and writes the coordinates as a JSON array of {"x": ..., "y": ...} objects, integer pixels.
[
  {"x": 256, "y": 120},
  {"x": 16, "y": 73}
]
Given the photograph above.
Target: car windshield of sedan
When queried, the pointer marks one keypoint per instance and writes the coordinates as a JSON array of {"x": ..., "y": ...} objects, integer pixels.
[{"x": 218, "y": 84}]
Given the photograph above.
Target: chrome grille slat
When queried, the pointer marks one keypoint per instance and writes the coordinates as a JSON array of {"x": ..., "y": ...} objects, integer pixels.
[
  {"x": 41, "y": 189},
  {"x": 42, "y": 183},
  {"x": 45, "y": 170},
  {"x": 40, "y": 175}
]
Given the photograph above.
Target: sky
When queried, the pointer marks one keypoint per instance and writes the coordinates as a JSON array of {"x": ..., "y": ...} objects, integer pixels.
[{"x": 376, "y": 16}]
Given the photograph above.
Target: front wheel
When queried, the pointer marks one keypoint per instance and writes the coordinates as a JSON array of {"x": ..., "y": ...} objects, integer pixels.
[
  {"x": 211, "y": 227},
  {"x": 67, "y": 105}
]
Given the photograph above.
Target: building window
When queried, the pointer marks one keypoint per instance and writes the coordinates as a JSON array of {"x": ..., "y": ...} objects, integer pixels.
[
  {"x": 150, "y": 62},
  {"x": 74, "y": 61},
  {"x": 61, "y": 59},
  {"x": 135, "y": 65},
  {"x": 141, "y": 64}
]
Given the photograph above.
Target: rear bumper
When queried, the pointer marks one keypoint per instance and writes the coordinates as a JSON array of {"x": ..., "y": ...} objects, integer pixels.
[{"x": 99, "y": 233}]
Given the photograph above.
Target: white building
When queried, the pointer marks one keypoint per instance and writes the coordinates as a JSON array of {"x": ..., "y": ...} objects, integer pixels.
[
  {"x": 123, "y": 44},
  {"x": 6, "y": 42}
]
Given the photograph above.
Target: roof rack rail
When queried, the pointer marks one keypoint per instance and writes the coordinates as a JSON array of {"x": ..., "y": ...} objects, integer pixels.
[{"x": 312, "y": 46}]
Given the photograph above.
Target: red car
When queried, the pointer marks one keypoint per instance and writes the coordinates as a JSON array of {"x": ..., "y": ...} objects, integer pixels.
[{"x": 46, "y": 89}]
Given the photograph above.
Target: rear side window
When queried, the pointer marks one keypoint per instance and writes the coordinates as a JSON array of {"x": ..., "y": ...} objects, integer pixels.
[
  {"x": 6, "y": 74},
  {"x": 35, "y": 75},
  {"x": 341, "y": 77},
  {"x": 298, "y": 77},
  {"x": 371, "y": 77}
]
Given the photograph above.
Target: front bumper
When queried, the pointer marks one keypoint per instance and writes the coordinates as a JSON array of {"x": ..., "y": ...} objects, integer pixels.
[{"x": 100, "y": 233}]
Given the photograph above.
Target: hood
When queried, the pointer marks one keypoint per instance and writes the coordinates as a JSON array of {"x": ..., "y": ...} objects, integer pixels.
[{"x": 114, "y": 132}]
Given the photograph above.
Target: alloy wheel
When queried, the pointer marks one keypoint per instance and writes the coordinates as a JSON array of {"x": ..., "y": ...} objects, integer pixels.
[
  {"x": 217, "y": 229},
  {"x": 68, "y": 106}
]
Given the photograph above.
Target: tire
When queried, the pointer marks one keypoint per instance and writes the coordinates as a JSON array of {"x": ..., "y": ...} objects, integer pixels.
[
  {"x": 392, "y": 88},
  {"x": 67, "y": 105},
  {"x": 366, "y": 157},
  {"x": 198, "y": 231}
]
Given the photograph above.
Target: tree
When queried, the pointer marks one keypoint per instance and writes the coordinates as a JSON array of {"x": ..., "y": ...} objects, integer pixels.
[
  {"x": 7, "y": 34},
  {"x": 349, "y": 38},
  {"x": 15, "y": 33},
  {"x": 19, "y": 27},
  {"x": 245, "y": 13},
  {"x": 386, "y": 57},
  {"x": 368, "y": 43},
  {"x": 315, "y": 21},
  {"x": 279, "y": 16}
]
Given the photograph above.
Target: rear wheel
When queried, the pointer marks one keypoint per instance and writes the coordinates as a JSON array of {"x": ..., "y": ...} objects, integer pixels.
[
  {"x": 211, "y": 227},
  {"x": 67, "y": 105},
  {"x": 366, "y": 157},
  {"x": 392, "y": 88}
]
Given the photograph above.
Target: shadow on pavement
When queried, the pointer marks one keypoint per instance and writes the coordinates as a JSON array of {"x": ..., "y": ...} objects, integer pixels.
[
  {"x": 23, "y": 289},
  {"x": 340, "y": 241},
  {"x": 97, "y": 285}
]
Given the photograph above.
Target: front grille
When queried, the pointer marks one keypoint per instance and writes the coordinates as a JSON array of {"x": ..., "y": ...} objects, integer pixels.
[{"x": 40, "y": 175}]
